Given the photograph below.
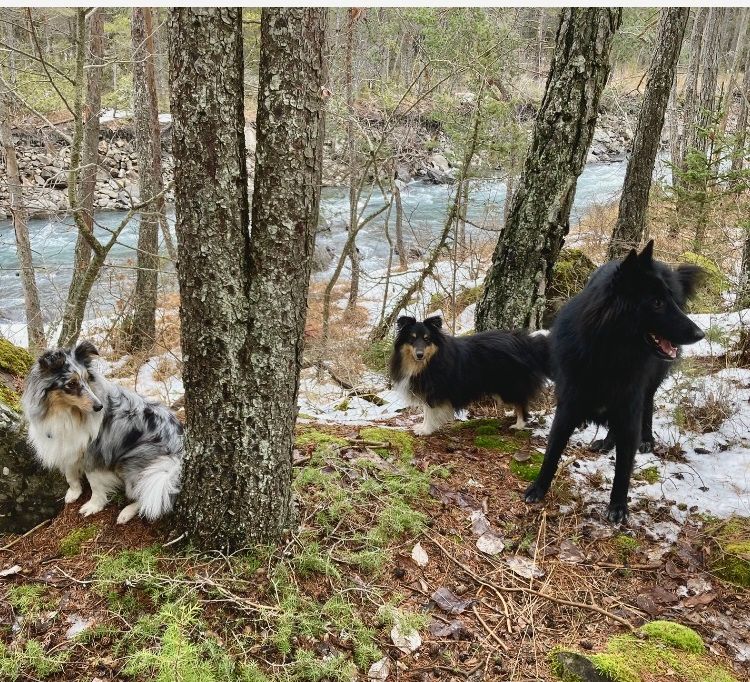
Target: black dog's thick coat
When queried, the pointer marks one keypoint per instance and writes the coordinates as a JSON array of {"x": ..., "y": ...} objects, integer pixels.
[
  {"x": 446, "y": 373},
  {"x": 611, "y": 347}
]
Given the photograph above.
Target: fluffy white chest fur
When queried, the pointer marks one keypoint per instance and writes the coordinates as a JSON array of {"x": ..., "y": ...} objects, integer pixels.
[{"x": 60, "y": 440}]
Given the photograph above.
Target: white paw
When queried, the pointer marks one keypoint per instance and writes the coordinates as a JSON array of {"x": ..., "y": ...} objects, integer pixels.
[
  {"x": 128, "y": 513},
  {"x": 518, "y": 426},
  {"x": 73, "y": 494},
  {"x": 422, "y": 430},
  {"x": 90, "y": 508}
]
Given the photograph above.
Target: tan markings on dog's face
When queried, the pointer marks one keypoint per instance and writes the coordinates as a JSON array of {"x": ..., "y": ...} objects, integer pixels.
[
  {"x": 74, "y": 397},
  {"x": 411, "y": 363}
]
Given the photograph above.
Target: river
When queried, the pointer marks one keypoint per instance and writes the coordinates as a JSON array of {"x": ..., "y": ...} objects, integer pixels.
[{"x": 425, "y": 206}]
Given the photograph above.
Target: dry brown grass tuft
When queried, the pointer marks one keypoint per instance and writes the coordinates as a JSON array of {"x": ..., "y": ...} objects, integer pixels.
[{"x": 707, "y": 415}]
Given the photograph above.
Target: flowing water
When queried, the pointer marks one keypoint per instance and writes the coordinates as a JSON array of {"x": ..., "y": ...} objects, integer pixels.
[{"x": 425, "y": 207}]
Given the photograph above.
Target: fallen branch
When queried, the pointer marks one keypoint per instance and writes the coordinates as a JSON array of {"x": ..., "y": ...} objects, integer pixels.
[{"x": 498, "y": 589}]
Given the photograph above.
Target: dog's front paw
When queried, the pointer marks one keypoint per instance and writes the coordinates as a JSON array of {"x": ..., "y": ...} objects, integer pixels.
[
  {"x": 90, "y": 508},
  {"x": 646, "y": 446},
  {"x": 423, "y": 430},
  {"x": 518, "y": 426},
  {"x": 534, "y": 493},
  {"x": 73, "y": 494},
  {"x": 618, "y": 512}
]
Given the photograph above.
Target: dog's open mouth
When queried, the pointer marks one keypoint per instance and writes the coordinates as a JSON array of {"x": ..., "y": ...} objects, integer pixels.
[{"x": 662, "y": 346}]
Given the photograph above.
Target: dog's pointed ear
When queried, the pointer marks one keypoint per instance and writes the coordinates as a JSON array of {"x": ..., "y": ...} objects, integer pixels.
[
  {"x": 84, "y": 351},
  {"x": 436, "y": 322},
  {"x": 646, "y": 256},
  {"x": 404, "y": 321},
  {"x": 629, "y": 263},
  {"x": 52, "y": 360},
  {"x": 691, "y": 277}
]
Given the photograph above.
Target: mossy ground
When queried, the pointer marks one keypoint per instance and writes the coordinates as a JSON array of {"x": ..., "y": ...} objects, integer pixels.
[
  {"x": 192, "y": 618},
  {"x": 731, "y": 555},
  {"x": 661, "y": 649}
]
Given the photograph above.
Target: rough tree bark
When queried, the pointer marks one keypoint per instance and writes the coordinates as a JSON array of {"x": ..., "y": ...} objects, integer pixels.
[
  {"x": 82, "y": 182},
  {"x": 514, "y": 290},
  {"x": 19, "y": 216},
  {"x": 243, "y": 298},
  {"x": 148, "y": 145},
  {"x": 740, "y": 132},
  {"x": 631, "y": 220},
  {"x": 351, "y": 19}
]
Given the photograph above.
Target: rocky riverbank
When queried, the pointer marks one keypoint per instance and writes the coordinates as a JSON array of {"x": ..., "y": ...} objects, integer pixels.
[{"x": 44, "y": 161}]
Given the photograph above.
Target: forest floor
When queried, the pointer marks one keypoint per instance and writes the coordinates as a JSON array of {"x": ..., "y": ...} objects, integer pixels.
[{"x": 413, "y": 558}]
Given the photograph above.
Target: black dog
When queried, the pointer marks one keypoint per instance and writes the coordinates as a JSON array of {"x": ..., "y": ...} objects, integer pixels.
[
  {"x": 443, "y": 373},
  {"x": 611, "y": 346}
]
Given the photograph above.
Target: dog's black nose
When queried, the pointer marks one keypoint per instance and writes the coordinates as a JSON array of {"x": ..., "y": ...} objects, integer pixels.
[
  {"x": 98, "y": 407},
  {"x": 420, "y": 355},
  {"x": 697, "y": 334}
]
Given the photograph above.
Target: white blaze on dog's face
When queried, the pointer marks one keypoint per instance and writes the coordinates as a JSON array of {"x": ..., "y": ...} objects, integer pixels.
[{"x": 417, "y": 341}]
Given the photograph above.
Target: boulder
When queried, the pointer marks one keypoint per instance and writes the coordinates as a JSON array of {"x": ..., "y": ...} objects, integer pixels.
[
  {"x": 322, "y": 257},
  {"x": 28, "y": 494}
]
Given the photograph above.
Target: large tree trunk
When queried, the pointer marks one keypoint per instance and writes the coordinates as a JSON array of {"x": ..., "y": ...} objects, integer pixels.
[
  {"x": 530, "y": 242},
  {"x": 19, "y": 215},
  {"x": 148, "y": 144},
  {"x": 243, "y": 299},
  {"x": 631, "y": 220},
  {"x": 82, "y": 184}
]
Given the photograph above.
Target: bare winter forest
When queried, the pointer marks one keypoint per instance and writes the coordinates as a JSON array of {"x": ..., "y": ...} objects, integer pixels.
[{"x": 236, "y": 205}]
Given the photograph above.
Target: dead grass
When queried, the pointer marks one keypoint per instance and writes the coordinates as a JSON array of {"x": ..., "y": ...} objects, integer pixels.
[{"x": 707, "y": 415}]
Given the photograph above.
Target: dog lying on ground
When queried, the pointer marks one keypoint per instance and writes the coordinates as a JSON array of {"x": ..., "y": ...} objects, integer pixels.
[
  {"x": 611, "y": 347},
  {"x": 80, "y": 424},
  {"x": 444, "y": 374}
]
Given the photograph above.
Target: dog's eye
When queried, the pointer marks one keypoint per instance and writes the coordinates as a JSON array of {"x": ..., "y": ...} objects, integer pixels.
[
  {"x": 72, "y": 384},
  {"x": 658, "y": 303}
]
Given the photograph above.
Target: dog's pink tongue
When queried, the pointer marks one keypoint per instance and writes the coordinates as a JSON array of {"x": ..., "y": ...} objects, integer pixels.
[{"x": 667, "y": 347}]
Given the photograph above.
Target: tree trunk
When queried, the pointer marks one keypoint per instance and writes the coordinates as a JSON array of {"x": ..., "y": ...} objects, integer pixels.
[
  {"x": 148, "y": 145},
  {"x": 739, "y": 48},
  {"x": 514, "y": 290},
  {"x": 699, "y": 189},
  {"x": 243, "y": 299},
  {"x": 691, "y": 89},
  {"x": 740, "y": 133},
  {"x": 352, "y": 150},
  {"x": 82, "y": 185},
  {"x": 19, "y": 215},
  {"x": 403, "y": 257},
  {"x": 631, "y": 220}
]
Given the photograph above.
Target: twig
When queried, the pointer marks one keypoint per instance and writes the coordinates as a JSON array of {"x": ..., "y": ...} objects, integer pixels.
[
  {"x": 497, "y": 589},
  {"x": 176, "y": 540},
  {"x": 489, "y": 630},
  {"x": 26, "y": 534}
]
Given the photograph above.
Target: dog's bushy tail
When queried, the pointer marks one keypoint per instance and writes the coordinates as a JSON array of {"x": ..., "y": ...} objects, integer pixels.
[
  {"x": 540, "y": 349},
  {"x": 157, "y": 487}
]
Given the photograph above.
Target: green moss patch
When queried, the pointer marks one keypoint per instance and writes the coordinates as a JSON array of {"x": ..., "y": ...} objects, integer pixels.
[
  {"x": 493, "y": 442},
  {"x": 14, "y": 360},
  {"x": 528, "y": 470},
  {"x": 649, "y": 474},
  {"x": 318, "y": 439},
  {"x": 401, "y": 441},
  {"x": 569, "y": 275},
  {"x": 377, "y": 356},
  {"x": 71, "y": 544},
  {"x": 731, "y": 559},
  {"x": 476, "y": 424},
  {"x": 663, "y": 649}
]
